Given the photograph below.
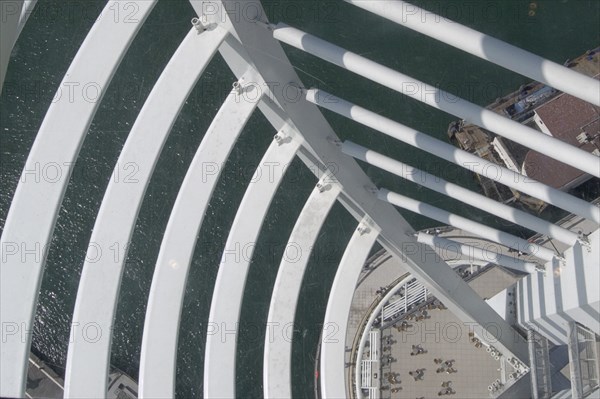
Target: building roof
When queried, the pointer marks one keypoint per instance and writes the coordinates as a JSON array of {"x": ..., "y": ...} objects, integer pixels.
[{"x": 565, "y": 117}]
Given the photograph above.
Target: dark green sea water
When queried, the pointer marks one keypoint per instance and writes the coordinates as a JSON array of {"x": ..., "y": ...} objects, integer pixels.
[{"x": 558, "y": 30}]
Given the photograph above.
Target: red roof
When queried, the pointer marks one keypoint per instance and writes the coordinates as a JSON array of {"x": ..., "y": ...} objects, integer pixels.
[{"x": 565, "y": 117}]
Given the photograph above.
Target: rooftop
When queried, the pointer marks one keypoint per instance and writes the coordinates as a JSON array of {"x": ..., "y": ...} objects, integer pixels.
[{"x": 565, "y": 117}]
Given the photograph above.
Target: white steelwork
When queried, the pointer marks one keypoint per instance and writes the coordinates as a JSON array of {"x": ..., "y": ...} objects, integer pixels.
[
  {"x": 460, "y": 193},
  {"x": 226, "y": 305},
  {"x": 10, "y": 13},
  {"x": 411, "y": 293},
  {"x": 32, "y": 215},
  {"x": 460, "y": 222},
  {"x": 535, "y": 300},
  {"x": 332, "y": 376},
  {"x": 369, "y": 367},
  {"x": 159, "y": 344},
  {"x": 472, "y": 252},
  {"x": 583, "y": 360},
  {"x": 485, "y": 47},
  {"x": 280, "y": 322},
  {"x": 440, "y": 99},
  {"x": 359, "y": 371},
  {"x": 457, "y": 156},
  {"x": 26, "y": 11},
  {"x": 87, "y": 361},
  {"x": 575, "y": 362},
  {"x": 568, "y": 293},
  {"x": 261, "y": 49},
  {"x": 250, "y": 49},
  {"x": 540, "y": 370},
  {"x": 14, "y": 15}
]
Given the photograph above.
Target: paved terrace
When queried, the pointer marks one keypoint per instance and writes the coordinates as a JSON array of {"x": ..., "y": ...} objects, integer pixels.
[
  {"x": 471, "y": 363},
  {"x": 476, "y": 369},
  {"x": 444, "y": 337}
]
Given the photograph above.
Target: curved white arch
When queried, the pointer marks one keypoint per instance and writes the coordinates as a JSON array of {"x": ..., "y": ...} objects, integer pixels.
[
  {"x": 88, "y": 360},
  {"x": 333, "y": 380},
  {"x": 38, "y": 196},
  {"x": 161, "y": 327},
  {"x": 278, "y": 340},
  {"x": 220, "y": 357},
  {"x": 9, "y": 31},
  {"x": 318, "y": 135},
  {"x": 26, "y": 11}
]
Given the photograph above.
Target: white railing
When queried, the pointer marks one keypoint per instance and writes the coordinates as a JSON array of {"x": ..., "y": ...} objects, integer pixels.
[{"x": 412, "y": 293}]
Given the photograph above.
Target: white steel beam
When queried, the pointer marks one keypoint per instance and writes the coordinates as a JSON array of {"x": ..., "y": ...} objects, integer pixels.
[
  {"x": 446, "y": 245},
  {"x": 10, "y": 14},
  {"x": 333, "y": 348},
  {"x": 485, "y": 47},
  {"x": 226, "y": 305},
  {"x": 88, "y": 361},
  {"x": 28, "y": 7},
  {"x": 439, "y": 99},
  {"x": 161, "y": 327},
  {"x": 37, "y": 200},
  {"x": 455, "y": 155},
  {"x": 277, "y": 381},
  {"x": 460, "y": 193},
  {"x": 259, "y": 49},
  {"x": 460, "y": 222}
]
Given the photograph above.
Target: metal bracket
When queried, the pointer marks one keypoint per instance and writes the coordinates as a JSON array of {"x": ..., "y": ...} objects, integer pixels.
[
  {"x": 584, "y": 241},
  {"x": 371, "y": 189},
  {"x": 363, "y": 229},
  {"x": 267, "y": 25},
  {"x": 540, "y": 268},
  {"x": 282, "y": 138},
  {"x": 322, "y": 187},
  {"x": 238, "y": 86},
  {"x": 197, "y": 23},
  {"x": 335, "y": 141}
]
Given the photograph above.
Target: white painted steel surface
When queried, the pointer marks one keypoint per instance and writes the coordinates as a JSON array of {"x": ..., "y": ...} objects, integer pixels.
[
  {"x": 32, "y": 215},
  {"x": 13, "y": 16},
  {"x": 277, "y": 380},
  {"x": 87, "y": 361},
  {"x": 333, "y": 348},
  {"x": 472, "y": 252},
  {"x": 376, "y": 312},
  {"x": 260, "y": 49},
  {"x": 10, "y": 14},
  {"x": 413, "y": 294},
  {"x": 457, "y": 156},
  {"x": 440, "y": 99},
  {"x": 463, "y": 223},
  {"x": 159, "y": 342},
  {"x": 26, "y": 11},
  {"x": 485, "y": 47},
  {"x": 99, "y": 289},
  {"x": 226, "y": 305},
  {"x": 459, "y": 193}
]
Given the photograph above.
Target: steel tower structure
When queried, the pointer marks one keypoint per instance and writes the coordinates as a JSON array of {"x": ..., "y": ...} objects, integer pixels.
[{"x": 251, "y": 46}]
